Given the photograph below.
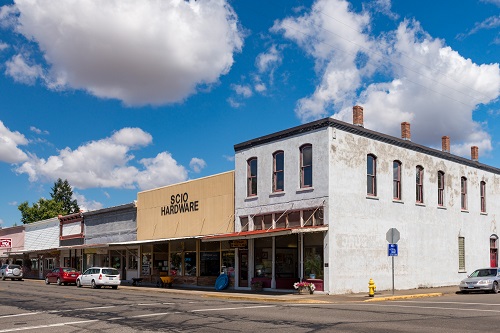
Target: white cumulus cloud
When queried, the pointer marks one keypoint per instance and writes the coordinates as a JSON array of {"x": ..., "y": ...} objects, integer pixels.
[
  {"x": 85, "y": 204},
  {"x": 139, "y": 52},
  {"x": 197, "y": 164},
  {"x": 427, "y": 83},
  {"x": 107, "y": 163},
  {"x": 9, "y": 145}
]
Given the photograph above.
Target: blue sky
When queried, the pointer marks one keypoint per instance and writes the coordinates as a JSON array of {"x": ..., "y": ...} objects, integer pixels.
[{"x": 123, "y": 96}]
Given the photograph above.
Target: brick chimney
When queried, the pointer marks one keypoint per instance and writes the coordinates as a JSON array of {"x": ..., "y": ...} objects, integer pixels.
[
  {"x": 405, "y": 131},
  {"x": 474, "y": 153},
  {"x": 446, "y": 143},
  {"x": 357, "y": 115}
]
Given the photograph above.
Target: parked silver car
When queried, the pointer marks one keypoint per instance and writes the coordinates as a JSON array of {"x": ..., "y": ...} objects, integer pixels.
[
  {"x": 96, "y": 277},
  {"x": 11, "y": 271},
  {"x": 487, "y": 279}
]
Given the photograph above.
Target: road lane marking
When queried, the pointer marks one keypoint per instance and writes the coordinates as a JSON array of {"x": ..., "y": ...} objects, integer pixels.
[
  {"x": 21, "y": 314},
  {"x": 465, "y": 303},
  {"x": 432, "y": 307},
  {"x": 153, "y": 314},
  {"x": 238, "y": 308},
  {"x": 17, "y": 329}
]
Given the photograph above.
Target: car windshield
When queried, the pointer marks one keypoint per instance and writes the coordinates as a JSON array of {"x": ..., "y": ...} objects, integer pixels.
[
  {"x": 110, "y": 271},
  {"x": 484, "y": 272}
]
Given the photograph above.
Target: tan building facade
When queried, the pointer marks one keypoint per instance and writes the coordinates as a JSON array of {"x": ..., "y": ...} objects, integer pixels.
[
  {"x": 172, "y": 220},
  {"x": 194, "y": 208}
]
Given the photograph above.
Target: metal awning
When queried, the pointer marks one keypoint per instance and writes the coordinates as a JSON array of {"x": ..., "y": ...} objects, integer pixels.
[
  {"x": 263, "y": 233},
  {"x": 151, "y": 241}
]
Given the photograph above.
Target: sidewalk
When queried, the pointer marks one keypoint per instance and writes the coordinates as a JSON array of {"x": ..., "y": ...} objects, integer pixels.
[{"x": 293, "y": 297}]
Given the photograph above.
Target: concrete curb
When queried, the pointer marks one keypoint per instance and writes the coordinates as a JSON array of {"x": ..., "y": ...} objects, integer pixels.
[
  {"x": 268, "y": 299},
  {"x": 394, "y": 298}
]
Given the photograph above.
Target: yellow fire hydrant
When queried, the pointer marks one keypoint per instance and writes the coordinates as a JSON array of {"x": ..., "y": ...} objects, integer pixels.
[{"x": 371, "y": 288}]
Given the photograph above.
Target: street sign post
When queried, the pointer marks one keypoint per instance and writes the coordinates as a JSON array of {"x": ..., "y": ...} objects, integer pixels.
[
  {"x": 392, "y": 250},
  {"x": 392, "y": 236}
]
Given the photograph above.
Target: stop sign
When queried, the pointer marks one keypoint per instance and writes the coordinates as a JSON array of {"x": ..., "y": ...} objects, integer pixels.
[{"x": 392, "y": 236}]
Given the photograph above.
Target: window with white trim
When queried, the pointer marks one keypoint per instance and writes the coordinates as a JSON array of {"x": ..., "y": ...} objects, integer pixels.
[
  {"x": 278, "y": 171},
  {"x": 306, "y": 176},
  {"x": 252, "y": 177},
  {"x": 419, "y": 182},
  {"x": 371, "y": 175},
  {"x": 396, "y": 180},
  {"x": 463, "y": 193},
  {"x": 440, "y": 185}
]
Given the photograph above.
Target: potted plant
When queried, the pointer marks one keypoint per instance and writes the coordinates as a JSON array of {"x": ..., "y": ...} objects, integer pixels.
[
  {"x": 304, "y": 286},
  {"x": 256, "y": 285},
  {"x": 313, "y": 266}
]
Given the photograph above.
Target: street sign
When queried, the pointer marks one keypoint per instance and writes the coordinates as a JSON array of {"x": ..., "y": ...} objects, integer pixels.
[
  {"x": 392, "y": 250},
  {"x": 392, "y": 235}
]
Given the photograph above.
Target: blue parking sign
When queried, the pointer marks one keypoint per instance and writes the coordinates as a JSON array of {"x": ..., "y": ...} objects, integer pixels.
[{"x": 392, "y": 250}]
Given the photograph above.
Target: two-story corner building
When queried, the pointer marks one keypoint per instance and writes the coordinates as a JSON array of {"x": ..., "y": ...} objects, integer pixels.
[{"x": 316, "y": 202}]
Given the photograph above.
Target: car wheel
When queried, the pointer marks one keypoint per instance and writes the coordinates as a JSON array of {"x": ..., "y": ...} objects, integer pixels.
[
  {"x": 47, "y": 280},
  {"x": 465, "y": 291},
  {"x": 59, "y": 281},
  {"x": 20, "y": 279},
  {"x": 114, "y": 287},
  {"x": 93, "y": 285},
  {"x": 494, "y": 290},
  {"x": 78, "y": 284}
]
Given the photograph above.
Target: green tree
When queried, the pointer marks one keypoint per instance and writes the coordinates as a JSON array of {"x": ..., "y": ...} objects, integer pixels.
[
  {"x": 61, "y": 203},
  {"x": 41, "y": 210},
  {"x": 63, "y": 193}
]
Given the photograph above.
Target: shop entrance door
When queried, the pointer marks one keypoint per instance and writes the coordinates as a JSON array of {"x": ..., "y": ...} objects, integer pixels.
[{"x": 243, "y": 269}]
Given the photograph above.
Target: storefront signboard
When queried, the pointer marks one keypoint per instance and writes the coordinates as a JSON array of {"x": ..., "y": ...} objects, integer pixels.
[
  {"x": 239, "y": 243},
  {"x": 5, "y": 242}
]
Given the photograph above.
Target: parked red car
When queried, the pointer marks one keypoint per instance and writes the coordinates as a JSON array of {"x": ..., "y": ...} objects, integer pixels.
[{"x": 62, "y": 275}]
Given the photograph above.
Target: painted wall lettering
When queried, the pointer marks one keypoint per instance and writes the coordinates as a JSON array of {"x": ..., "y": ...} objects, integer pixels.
[{"x": 179, "y": 203}]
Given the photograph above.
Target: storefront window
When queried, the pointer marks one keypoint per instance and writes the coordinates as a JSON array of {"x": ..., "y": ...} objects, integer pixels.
[
  {"x": 34, "y": 264},
  {"x": 228, "y": 262},
  {"x": 287, "y": 256},
  {"x": 115, "y": 262},
  {"x": 313, "y": 255},
  {"x": 132, "y": 259},
  {"x": 263, "y": 260},
  {"x": 209, "y": 263},
  {"x": 190, "y": 263},
  {"x": 49, "y": 263},
  {"x": 210, "y": 258},
  {"x": 175, "y": 263}
]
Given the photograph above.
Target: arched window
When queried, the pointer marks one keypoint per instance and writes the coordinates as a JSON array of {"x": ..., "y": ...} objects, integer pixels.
[
  {"x": 463, "y": 193},
  {"x": 440, "y": 188},
  {"x": 419, "y": 181},
  {"x": 252, "y": 176},
  {"x": 371, "y": 175},
  {"x": 306, "y": 176},
  {"x": 483, "y": 196},
  {"x": 278, "y": 171},
  {"x": 396, "y": 180}
]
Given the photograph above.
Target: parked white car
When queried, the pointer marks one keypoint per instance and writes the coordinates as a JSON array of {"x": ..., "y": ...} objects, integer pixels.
[
  {"x": 11, "y": 271},
  {"x": 97, "y": 277}
]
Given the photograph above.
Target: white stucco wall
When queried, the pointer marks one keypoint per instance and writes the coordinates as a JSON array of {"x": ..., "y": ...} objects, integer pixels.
[{"x": 428, "y": 248}]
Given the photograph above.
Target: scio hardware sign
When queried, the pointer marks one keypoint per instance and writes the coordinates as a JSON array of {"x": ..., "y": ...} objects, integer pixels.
[
  {"x": 5, "y": 242},
  {"x": 179, "y": 203}
]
